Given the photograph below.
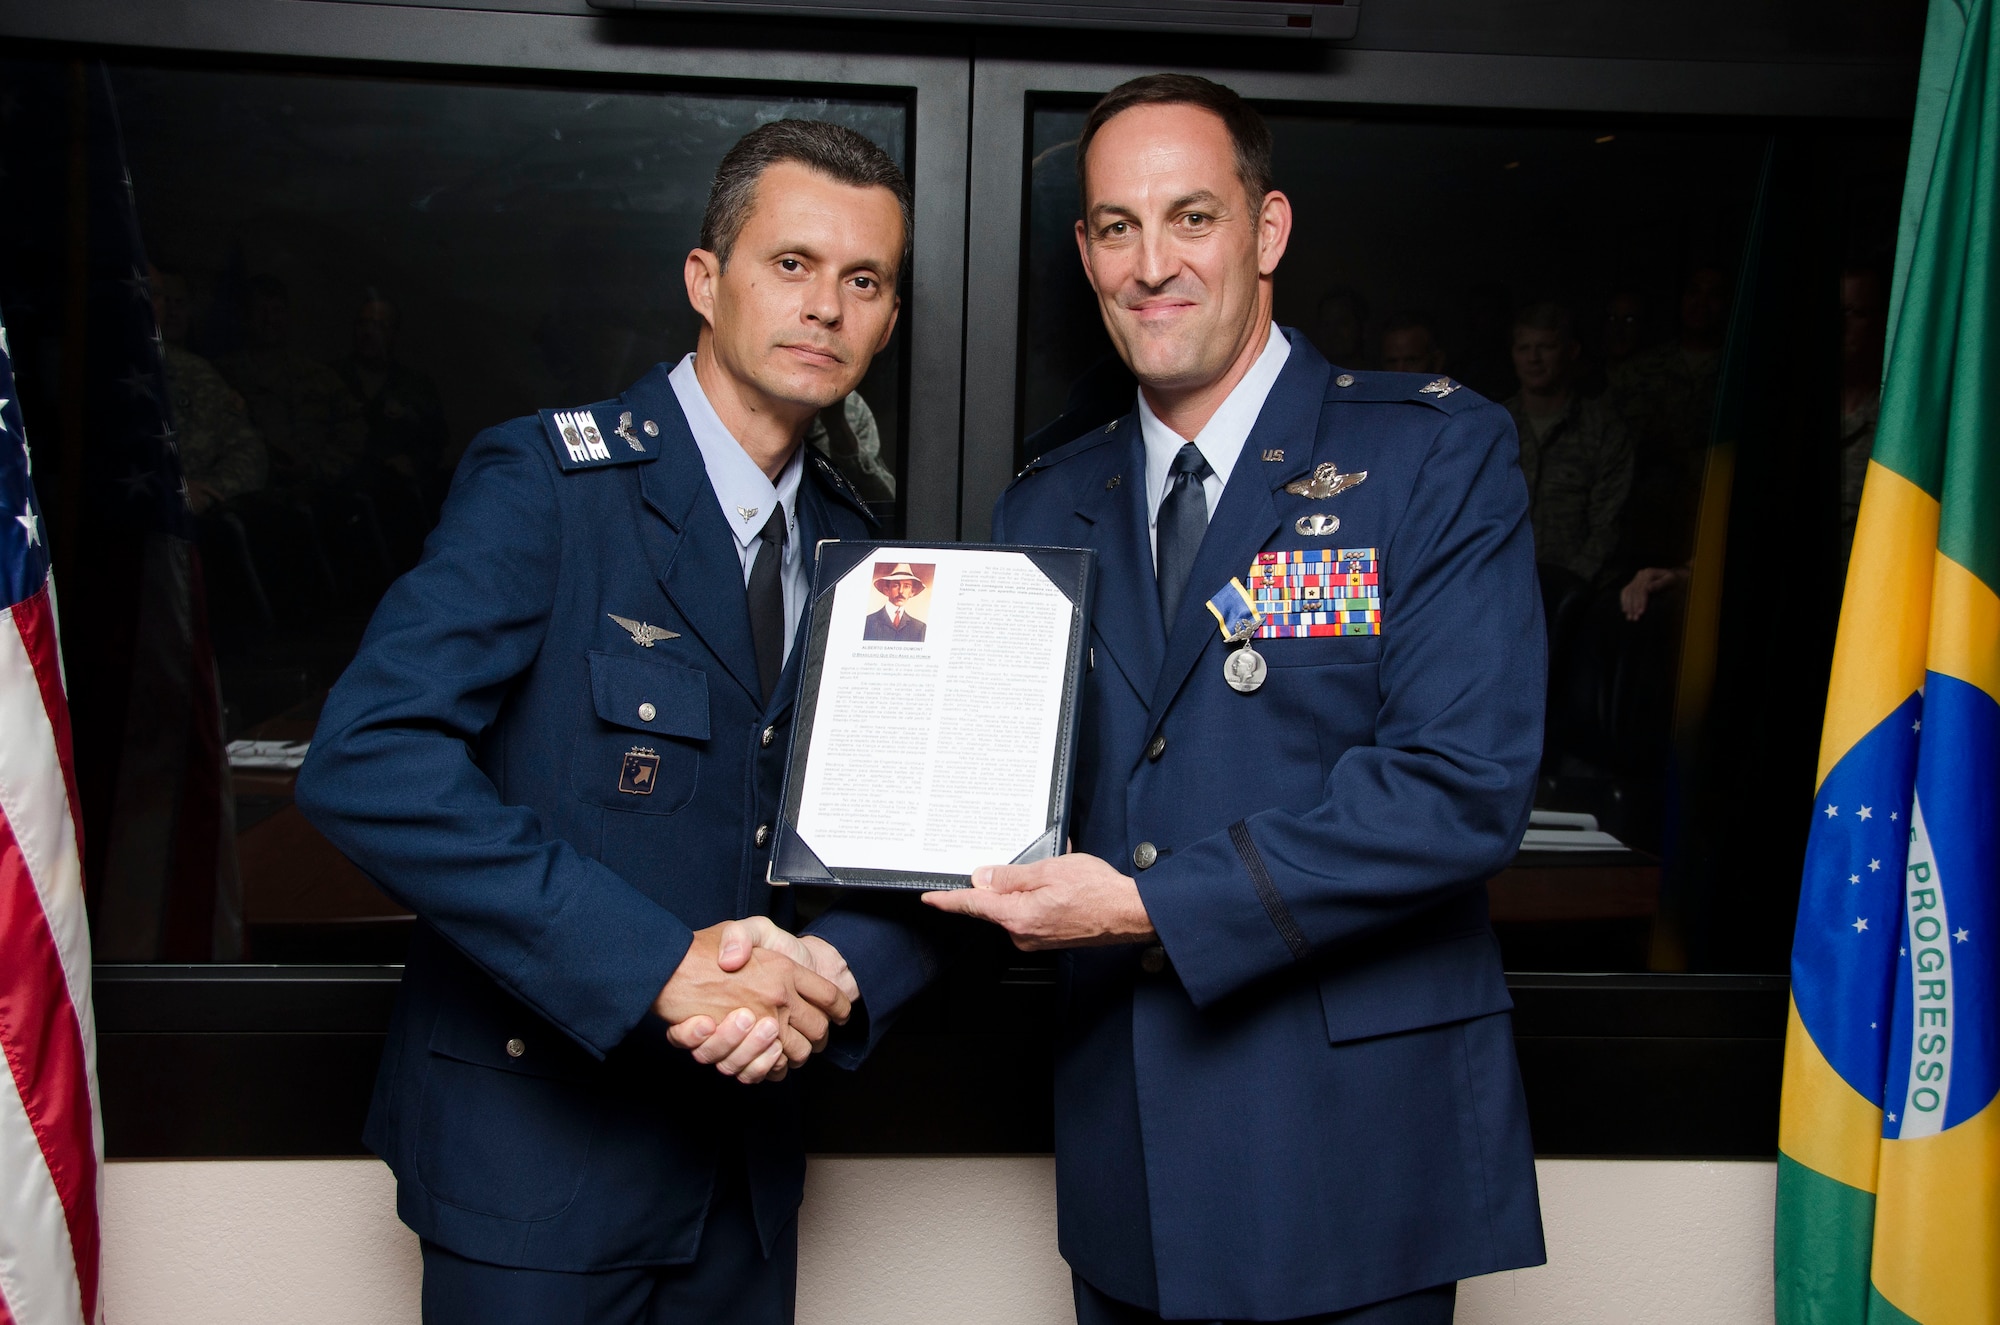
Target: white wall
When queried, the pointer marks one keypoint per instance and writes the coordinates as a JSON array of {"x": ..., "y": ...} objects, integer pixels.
[{"x": 902, "y": 1241}]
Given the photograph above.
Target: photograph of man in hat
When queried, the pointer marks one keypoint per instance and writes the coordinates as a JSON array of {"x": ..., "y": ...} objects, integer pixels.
[{"x": 893, "y": 621}]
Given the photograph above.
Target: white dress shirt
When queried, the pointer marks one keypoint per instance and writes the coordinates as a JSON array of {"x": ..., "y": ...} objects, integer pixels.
[
  {"x": 745, "y": 493},
  {"x": 1220, "y": 440}
]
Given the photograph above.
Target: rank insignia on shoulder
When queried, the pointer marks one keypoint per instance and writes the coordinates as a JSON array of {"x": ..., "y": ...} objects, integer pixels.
[
  {"x": 1444, "y": 386},
  {"x": 639, "y": 771},
  {"x": 579, "y": 440}
]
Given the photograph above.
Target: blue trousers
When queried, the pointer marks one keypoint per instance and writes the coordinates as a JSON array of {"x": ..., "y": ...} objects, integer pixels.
[
  {"x": 1430, "y": 1306},
  {"x": 729, "y": 1282}
]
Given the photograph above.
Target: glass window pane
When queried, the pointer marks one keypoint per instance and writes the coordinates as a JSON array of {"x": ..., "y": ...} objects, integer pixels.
[
  {"x": 1657, "y": 292},
  {"x": 353, "y": 276}
]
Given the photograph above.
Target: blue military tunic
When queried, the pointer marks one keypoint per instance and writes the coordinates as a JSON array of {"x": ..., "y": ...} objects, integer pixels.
[
  {"x": 551, "y": 746},
  {"x": 1305, "y": 1097}
]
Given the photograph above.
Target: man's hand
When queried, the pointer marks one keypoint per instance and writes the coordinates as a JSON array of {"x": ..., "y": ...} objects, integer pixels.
[
  {"x": 741, "y": 1045},
  {"x": 1639, "y": 590},
  {"x": 776, "y": 1004},
  {"x": 1072, "y": 901}
]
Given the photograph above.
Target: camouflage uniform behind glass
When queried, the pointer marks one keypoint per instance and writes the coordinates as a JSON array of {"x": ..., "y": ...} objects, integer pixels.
[
  {"x": 310, "y": 420},
  {"x": 219, "y": 448},
  {"x": 1667, "y": 401},
  {"x": 853, "y": 441},
  {"x": 1857, "y": 443},
  {"x": 1579, "y": 473}
]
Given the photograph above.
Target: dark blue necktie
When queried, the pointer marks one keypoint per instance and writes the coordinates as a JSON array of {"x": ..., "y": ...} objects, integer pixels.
[
  {"x": 1183, "y": 521},
  {"x": 767, "y": 602}
]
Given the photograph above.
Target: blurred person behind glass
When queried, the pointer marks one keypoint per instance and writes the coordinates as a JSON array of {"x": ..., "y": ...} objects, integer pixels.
[
  {"x": 1666, "y": 396},
  {"x": 405, "y": 419},
  {"x": 221, "y": 455},
  {"x": 1864, "y": 309},
  {"x": 1575, "y": 453},
  {"x": 1340, "y": 320},
  {"x": 310, "y": 420},
  {"x": 1410, "y": 345},
  {"x": 847, "y": 434}
]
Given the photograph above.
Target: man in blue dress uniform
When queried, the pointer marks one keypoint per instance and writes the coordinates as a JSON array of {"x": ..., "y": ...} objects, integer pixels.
[
  {"x": 1285, "y": 1078},
  {"x": 561, "y": 744}
]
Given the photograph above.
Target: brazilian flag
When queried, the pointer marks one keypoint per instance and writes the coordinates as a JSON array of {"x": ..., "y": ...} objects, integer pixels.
[{"x": 1889, "y": 1138}]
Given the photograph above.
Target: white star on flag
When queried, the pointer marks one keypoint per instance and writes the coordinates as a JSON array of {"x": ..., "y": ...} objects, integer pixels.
[
  {"x": 1963, "y": 934},
  {"x": 29, "y": 521},
  {"x": 1854, "y": 878},
  {"x": 1917, "y": 726},
  {"x": 1860, "y": 925},
  {"x": 1833, "y": 811},
  {"x": 1865, "y": 812},
  {"x": 1874, "y": 865},
  {"x": 1892, "y": 1117}
]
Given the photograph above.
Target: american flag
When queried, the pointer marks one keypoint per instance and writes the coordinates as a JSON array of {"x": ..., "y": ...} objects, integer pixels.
[{"x": 51, "y": 1143}]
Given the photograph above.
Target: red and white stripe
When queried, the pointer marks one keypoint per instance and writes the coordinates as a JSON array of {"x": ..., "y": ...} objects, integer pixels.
[{"x": 51, "y": 1143}]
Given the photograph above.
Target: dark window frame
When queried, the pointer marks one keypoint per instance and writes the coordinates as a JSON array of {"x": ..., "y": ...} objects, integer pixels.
[{"x": 193, "y": 1063}]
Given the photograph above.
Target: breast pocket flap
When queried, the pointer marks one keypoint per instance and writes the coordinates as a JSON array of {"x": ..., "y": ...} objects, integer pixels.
[{"x": 650, "y": 695}]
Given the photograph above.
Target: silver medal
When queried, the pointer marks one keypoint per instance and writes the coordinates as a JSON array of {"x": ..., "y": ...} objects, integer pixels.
[{"x": 1244, "y": 669}]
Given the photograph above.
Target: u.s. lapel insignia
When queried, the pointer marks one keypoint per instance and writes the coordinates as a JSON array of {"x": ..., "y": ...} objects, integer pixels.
[
  {"x": 1441, "y": 388},
  {"x": 644, "y": 634},
  {"x": 624, "y": 430},
  {"x": 1274, "y": 456},
  {"x": 639, "y": 771},
  {"x": 748, "y": 513},
  {"x": 1318, "y": 525},
  {"x": 1326, "y": 481}
]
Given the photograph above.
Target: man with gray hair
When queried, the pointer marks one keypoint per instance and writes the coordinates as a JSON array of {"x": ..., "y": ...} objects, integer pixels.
[{"x": 561, "y": 745}]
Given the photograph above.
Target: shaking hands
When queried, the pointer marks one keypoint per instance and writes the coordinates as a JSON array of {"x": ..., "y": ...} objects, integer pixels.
[{"x": 755, "y": 1001}]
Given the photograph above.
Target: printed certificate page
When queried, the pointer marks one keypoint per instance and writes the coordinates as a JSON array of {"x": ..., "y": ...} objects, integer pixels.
[{"x": 940, "y": 703}]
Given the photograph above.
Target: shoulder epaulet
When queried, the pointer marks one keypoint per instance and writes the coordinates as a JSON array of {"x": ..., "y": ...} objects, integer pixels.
[
  {"x": 1088, "y": 442},
  {"x": 600, "y": 436},
  {"x": 830, "y": 473},
  {"x": 1442, "y": 393}
]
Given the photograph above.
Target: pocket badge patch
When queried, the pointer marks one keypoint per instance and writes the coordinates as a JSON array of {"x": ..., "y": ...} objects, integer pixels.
[
  {"x": 1307, "y": 593},
  {"x": 639, "y": 772}
]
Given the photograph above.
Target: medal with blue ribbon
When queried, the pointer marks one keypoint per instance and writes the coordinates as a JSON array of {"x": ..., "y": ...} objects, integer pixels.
[{"x": 1237, "y": 617}]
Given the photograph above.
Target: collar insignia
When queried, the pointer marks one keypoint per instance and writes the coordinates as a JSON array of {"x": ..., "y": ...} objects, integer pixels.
[{"x": 1441, "y": 388}]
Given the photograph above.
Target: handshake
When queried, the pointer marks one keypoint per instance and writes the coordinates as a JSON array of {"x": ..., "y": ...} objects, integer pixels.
[{"x": 755, "y": 1001}]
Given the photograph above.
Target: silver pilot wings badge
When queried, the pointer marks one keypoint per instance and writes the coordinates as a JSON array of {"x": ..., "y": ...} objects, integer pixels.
[
  {"x": 644, "y": 634},
  {"x": 1326, "y": 481}
]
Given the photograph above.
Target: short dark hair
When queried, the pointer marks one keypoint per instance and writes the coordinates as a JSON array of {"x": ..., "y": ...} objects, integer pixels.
[
  {"x": 1247, "y": 130},
  {"x": 833, "y": 150},
  {"x": 1548, "y": 316}
]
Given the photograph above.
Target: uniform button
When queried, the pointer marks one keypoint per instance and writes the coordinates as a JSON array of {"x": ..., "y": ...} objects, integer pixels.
[
  {"x": 1156, "y": 748},
  {"x": 647, "y": 712},
  {"x": 516, "y": 1047},
  {"x": 1153, "y": 960},
  {"x": 763, "y": 834},
  {"x": 1345, "y": 379},
  {"x": 770, "y": 735},
  {"x": 1144, "y": 855}
]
